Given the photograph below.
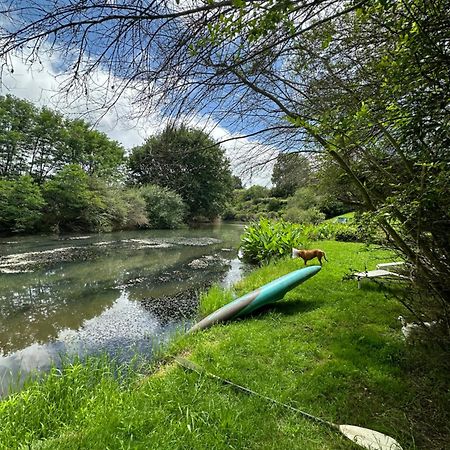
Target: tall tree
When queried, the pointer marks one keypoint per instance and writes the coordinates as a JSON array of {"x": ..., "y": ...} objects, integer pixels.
[
  {"x": 21, "y": 205},
  {"x": 188, "y": 162},
  {"x": 291, "y": 171},
  {"x": 17, "y": 120},
  {"x": 39, "y": 142},
  {"x": 48, "y": 149},
  {"x": 93, "y": 150},
  {"x": 71, "y": 204},
  {"x": 237, "y": 182}
]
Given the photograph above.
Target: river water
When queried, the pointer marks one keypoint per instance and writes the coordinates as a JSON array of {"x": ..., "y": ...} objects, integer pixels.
[{"x": 118, "y": 293}]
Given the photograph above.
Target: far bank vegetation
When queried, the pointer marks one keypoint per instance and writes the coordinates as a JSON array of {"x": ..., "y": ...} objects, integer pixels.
[{"x": 61, "y": 175}]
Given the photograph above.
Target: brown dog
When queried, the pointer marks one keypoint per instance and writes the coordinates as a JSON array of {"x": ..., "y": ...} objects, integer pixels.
[{"x": 306, "y": 255}]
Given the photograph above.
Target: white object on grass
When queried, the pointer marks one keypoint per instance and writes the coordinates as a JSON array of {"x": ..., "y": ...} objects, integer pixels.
[
  {"x": 379, "y": 273},
  {"x": 412, "y": 329},
  {"x": 391, "y": 266},
  {"x": 370, "y": 439}
]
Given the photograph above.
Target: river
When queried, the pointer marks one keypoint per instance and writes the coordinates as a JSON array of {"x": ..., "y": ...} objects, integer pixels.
[{"x": 119, "y": 293}]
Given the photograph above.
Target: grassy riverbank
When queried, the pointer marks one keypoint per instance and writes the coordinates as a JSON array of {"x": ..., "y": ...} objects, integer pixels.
[{"x": 328, "y": 348}]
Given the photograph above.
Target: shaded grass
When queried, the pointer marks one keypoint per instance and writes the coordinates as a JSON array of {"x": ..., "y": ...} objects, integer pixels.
[{"x": 328, "y": 348}]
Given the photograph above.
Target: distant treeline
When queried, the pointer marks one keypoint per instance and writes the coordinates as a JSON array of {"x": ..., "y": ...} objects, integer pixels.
[
  {"x": 59, "y": 175},
  {"x": 301, "y": 192}
]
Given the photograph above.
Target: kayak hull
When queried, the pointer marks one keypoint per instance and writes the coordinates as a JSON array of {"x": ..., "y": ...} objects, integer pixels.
[{"x": 269, "y": 293}]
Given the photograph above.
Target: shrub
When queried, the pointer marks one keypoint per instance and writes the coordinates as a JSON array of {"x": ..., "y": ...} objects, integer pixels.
[
  {"x": 136, "y": 215},
  {"x": 109, "y": 211},
  {"x": 21, "y": 205},
  {"x": 120, "y": 208},
  {"x": 337, "y": 231},
  {"x": 305, "y": 216},
  {"x": 165, "y": 208},
  {"x": 252, "y": 203},
  {"x": 274, "y": 204},
  {"x": 348, "y": 234},
  {"x": 319, "y": 232},
  {"x": 269, "y": 239},
  {"x": 229, "y": 213},
  {"x": 72, "y": 205}
]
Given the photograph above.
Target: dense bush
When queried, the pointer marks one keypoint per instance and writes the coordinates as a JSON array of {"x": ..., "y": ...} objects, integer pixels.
[
  {"x": 269, "y": 239},
  {"x": 304, "y": 216},
  {"x": 74, "y": 201},
  {"x": 320, "y": 232},
  {"x": 348, "y": 233},
  {"x": 21, "y": 204},
  {"x": 340, "y": 232},
  {"x": 165, "y": 208},
  {"x": 274, "y": 204},
  {"x": 78, "y": 202},
  {"x": 230, "y": 213},
  {"x": 121, "y": 208},
  {"x": 305, "y": 206},
  {"x": 136, "y": 216},
  {"x": 71, "y": 204},
  {"x": 252, "y": 203}
]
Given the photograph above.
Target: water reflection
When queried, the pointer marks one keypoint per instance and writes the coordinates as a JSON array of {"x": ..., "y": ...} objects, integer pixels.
[
  {"x": 83, "y": 294},
  {"x": 122, "y": 329}
]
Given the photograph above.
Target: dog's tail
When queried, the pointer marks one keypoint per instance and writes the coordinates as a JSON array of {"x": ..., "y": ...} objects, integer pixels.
[
  {"x": 325, "y": 256},
  {"x": 295, "y": 252}
]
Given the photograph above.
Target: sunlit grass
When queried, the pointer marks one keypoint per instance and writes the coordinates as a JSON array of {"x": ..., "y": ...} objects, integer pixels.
[
  {"x": 350, "y": 216},
  {"x": 328, "y": 348}
]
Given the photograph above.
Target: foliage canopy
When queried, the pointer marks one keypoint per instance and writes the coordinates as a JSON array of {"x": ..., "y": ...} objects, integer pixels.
[
  {"x": 290, "y": 172},
  {"x": 188, "y": 162},
  {"x": 39, "y": 142}
]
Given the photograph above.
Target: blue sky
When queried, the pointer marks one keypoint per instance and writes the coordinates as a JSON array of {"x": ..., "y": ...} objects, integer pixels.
[{"x": 41, "y": 84}]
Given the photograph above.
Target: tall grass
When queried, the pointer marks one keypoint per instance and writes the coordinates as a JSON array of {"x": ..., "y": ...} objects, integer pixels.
[
  {"x": 213, "y": 299},
  {"x": 63, "y": 396}
]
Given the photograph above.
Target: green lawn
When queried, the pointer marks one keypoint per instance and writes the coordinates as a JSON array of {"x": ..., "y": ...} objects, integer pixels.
[{"x": 329, "y": 349}]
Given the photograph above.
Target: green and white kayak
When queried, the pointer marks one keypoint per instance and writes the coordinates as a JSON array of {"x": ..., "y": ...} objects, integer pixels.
[{"x": 269, "y": 293}]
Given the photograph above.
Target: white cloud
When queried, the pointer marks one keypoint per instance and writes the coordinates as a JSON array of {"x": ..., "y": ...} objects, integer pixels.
[
  {"x": 41, "y": 83},
  {"x": 250, "y": 160}
]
